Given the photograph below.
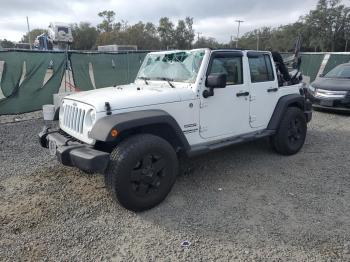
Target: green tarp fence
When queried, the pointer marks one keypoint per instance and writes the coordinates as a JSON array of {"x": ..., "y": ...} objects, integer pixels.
[
  {"x": 310, "y": 64},
  {"x": 30, "y": 78},
  {"x": 25, "y": 85},
  {"x": 11, "y": 74},
  {"x": 336, "y": 59},
  {"x": 22, "y": 81},
  {"x": 107, "y": 69}
]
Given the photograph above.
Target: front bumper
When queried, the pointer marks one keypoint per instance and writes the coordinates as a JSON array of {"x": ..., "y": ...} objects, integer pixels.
[
  {"x": 342, "y": 104},
  {"x": 73, "y": 153}
]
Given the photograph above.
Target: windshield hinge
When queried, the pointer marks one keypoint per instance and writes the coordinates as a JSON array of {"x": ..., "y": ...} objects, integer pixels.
[{"x": 252, "y": 119}]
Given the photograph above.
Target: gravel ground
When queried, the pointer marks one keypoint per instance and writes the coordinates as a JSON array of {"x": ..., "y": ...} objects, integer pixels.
[
  {"x": 241, "y": 203},
  {"x": 4, "y": 119}
]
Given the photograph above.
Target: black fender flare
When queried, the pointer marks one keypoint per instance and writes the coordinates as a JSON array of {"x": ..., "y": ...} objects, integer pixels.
[
  {"x": 284, "y": 102},
  {"x": 101, "y": 131}
]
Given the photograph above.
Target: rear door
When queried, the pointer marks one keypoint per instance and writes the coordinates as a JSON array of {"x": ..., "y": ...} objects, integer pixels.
[{"x": 263, "y": 89}]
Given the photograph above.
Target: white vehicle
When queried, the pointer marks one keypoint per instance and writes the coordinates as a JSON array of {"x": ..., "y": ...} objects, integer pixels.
[
  {"x": 182, "y": 103},
  {"x": 58, "y": 37},
  {"x": 116, "y": 48},
  {"x": 60, "y": 33}
]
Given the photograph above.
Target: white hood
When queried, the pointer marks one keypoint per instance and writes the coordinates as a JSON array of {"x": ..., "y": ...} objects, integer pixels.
[{"x": 133, "y": 95}]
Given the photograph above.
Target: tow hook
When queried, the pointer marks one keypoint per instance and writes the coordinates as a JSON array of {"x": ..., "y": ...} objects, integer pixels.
[{"x": 42, "y": 136}]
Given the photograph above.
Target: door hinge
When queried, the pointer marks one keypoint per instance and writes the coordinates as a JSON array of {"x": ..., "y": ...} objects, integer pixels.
[
  {"x": 252, "y": 98},
  {"x": 203, "y": 129},
  {"x": 203, "y": 104},
  {"x": 252, "y": 119}
]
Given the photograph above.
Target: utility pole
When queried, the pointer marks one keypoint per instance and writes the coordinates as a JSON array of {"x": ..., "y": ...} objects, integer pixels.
[
  {"x": 259, "y": 39},
  {"x": 198, "y": 35},
  {"x": 346, "y": 41},
  {"x": 30, "y": 41},
  {"x": 346, "y": 45},
  {"x": 239, "y": 26}
]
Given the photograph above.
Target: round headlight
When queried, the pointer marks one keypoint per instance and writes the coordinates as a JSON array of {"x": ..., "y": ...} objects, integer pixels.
[
  {"x": 90, "y": 118},
  {"x": 93, "y": 117},
  {"x": 61, "y": 112}
]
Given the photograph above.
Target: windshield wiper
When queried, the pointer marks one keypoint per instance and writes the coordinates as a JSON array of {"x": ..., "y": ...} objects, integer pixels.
[
  {"x": 167, "y": 80},
  {"x": 144, "y": 78}
]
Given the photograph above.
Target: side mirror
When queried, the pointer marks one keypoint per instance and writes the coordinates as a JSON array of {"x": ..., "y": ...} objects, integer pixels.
[{"x": 216, "y": 81}]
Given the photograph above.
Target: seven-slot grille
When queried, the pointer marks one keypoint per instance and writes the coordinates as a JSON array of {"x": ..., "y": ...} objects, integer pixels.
[{"x": 73, "y": 118}]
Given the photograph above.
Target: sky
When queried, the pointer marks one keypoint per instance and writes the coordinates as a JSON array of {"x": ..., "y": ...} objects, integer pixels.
[{"x": 212, "y": 18}]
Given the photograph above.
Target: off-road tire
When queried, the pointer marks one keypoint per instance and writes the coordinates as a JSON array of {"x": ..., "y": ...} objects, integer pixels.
[
  {"x": 141, "y": 172},
  {"x": 291, "y": 133}
]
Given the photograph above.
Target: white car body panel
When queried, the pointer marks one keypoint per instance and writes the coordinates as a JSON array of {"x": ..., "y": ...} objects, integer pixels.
[
  {"x": 220, "y": 113},
  {"x": 133, "y": 95}
]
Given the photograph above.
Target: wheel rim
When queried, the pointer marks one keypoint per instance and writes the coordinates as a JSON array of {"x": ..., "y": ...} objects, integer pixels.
[
  {"x": 295, "y": 131},
  {"x": 146, "y": 176}
]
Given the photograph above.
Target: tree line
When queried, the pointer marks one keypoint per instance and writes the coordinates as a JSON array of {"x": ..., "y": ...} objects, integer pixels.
[
  {"x": 325, "y": 28},
  {"x": 146, "y": 36}
]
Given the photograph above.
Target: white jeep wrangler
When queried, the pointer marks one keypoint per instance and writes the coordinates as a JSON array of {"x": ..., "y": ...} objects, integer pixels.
[{"x": 181, "y": 103}]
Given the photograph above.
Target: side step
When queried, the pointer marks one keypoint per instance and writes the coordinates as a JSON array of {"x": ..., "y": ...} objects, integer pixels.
[{"x": 205, "y": 148}]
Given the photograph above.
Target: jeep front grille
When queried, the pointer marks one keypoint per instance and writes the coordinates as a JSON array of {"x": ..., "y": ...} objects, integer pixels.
[{"x": 73, "y": 118}]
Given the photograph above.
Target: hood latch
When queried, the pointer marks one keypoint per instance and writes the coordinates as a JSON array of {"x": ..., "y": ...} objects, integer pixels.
[{"x": 108, "y": 109}]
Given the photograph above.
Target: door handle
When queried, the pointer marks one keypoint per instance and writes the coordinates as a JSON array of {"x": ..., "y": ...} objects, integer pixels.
[
  {"x": 270, "y": 90},
  {"x": 242, "y": 94}
]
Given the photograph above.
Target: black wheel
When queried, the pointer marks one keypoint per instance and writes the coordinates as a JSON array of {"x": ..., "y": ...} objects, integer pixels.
[
  {"x": 291, "y": 134},
  {"x": 141, "y": 172}
]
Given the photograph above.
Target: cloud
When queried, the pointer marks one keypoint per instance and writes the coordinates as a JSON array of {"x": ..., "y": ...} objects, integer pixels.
[{"x": 211, "y": 18}]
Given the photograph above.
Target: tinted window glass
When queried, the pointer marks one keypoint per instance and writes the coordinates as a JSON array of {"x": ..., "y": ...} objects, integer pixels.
[
  {"x": 342, "y": 71},
  {"x": 64, "y": 29},
  {"x": 261, "y": 69},
  {"x": 230, "y": 65}
]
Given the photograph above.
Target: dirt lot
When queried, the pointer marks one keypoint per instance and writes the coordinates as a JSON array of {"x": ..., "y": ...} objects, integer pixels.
[{"x": 242, "y": 203}]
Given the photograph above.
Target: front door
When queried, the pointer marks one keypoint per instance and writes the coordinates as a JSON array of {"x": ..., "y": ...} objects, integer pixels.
[
  {"x": 263, "y": 89},
  {"x": 227, "y": 112}
]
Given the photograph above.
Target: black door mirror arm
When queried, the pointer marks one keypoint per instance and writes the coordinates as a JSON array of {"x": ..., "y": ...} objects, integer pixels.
[{"x": 208, "y": 93}]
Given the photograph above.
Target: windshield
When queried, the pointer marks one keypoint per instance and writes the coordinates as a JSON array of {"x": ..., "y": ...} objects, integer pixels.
[
  {"x": 178, "y": 66},
  {"x": 342, "y": 71}
]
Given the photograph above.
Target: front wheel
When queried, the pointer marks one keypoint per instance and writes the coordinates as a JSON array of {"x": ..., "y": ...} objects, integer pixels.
[
  {"x": 142, "y": 171},
  {"x": 291, "y": 133}
]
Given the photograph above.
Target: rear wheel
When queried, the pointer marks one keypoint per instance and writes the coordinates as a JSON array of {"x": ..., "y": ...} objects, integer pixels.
[
  {"x": 291, "y": 134},
  {"x": 141, "y": 172}
]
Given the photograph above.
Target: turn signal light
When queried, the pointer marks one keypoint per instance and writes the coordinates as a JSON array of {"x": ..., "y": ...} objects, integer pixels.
[{"x": 114, "y": 133}]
